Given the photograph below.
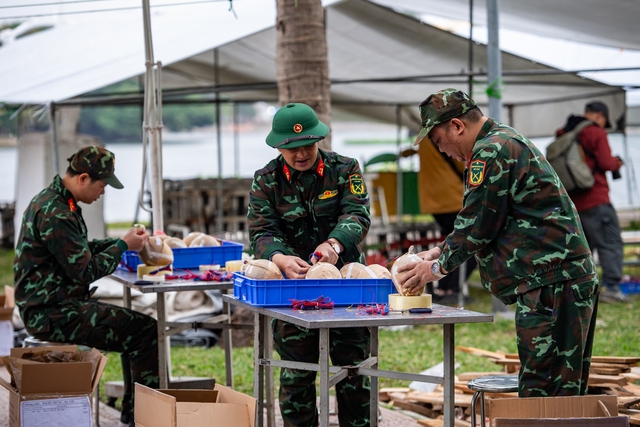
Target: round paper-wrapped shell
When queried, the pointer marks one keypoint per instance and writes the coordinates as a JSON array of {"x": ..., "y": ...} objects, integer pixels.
[
  {"x": 156, "y": 252},
  {"x": 262, "y": 269},
  {"x": 175, "y": 242},
  {"x": 204, "y": 240},
  {"x": 189, "y": 237},
  {"x": 323, "y": 270},
  {"x": 380, "y": 271},
  {"x": 407, "y": 258},
  {"x": 355, "y": 270}
]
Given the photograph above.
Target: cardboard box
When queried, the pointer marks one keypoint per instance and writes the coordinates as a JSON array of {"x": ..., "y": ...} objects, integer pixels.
[
  {"x": 596, "y": 410},
  {"x": 72, "y": 381},
  {"x": 7, "y": 303},
  {"x": 220, "y": 407}
]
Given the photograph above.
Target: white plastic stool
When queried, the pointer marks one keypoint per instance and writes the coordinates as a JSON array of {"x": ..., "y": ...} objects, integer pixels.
[
  {"x": 489, "y": 384},
  {"x": 34, "y": 342}
]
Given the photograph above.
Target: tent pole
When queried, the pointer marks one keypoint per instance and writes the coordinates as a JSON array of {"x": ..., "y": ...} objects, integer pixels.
[
  {"x": 220, "y": 225},
  {"x": 471, "y": 48},
  {"x": 154, "y": 142},
  {"x": 236, "y": 139},
  {"x": 399, "y": 175},
  {"x": 54, "y": 137},
  {"x": 494, "y": 66}
]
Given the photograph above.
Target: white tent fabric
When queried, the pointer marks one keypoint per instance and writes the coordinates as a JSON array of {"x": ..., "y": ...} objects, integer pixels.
[
  {"x": 611, "y": 23},
  {"x": 379, "y": 59}
]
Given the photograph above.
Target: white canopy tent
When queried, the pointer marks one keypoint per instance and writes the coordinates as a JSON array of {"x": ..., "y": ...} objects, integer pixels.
[
  {"x": 382, "y": 63},
  {"x": 379, "y": 59}
]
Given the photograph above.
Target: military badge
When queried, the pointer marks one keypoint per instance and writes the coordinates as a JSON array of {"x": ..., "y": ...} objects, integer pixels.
[
  {"x": 328, "y": 194},
  {"x": 287, "y": 172},
  {"x": 320, "y": 168},
  {"x": 356, "y": 184},
  {"x": 72, "y": 204},
  {"x": 297, "y": 128},
  {"x": 476, "y": 172}
]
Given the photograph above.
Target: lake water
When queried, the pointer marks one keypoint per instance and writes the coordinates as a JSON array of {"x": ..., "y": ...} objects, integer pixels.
[{"x": 195, "y": 155}]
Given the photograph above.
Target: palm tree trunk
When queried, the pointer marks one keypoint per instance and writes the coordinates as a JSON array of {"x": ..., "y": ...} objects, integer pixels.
[{"x": 302, "y": 68}]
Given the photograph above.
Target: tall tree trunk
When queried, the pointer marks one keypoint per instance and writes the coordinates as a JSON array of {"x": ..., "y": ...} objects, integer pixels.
[{"x": 302, "y": 68}]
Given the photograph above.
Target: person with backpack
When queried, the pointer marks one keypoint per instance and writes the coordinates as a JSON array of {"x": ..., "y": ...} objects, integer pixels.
[{"x": 598, "y": 216}]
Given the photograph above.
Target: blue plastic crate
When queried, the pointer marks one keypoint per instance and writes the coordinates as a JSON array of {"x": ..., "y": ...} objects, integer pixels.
[
  {"x": 630, "y": 287},
  {"x": 131, "y": 260},
  {"x": 279, "y": 293},
  {"x": 195, "y": 257}
]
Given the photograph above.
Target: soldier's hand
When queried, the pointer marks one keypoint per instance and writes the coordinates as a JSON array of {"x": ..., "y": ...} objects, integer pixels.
[
  {"x": 430, "y": 255},
  {"x": 135, "y": 238},
  {"x": 327, "y": 254},
  {"x": 293, "y": 267},
  {"x": 414, "y": 276}
]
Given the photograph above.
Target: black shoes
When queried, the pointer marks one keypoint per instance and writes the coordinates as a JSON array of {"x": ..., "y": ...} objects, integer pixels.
[{"x": 126, "y": 419}]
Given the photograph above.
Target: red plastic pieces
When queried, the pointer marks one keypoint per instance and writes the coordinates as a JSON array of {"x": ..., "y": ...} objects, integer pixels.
[{"x": 318, "y": 303}]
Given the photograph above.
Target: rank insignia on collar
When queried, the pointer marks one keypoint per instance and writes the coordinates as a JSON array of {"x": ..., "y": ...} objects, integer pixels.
[
  {"x": 356, "y": 184},
  {"x": 328, "y": 194},
  {"x": 72, "y": 204},
  {"x": 287, "y": 172},
  {"x": 476, "y": 172},
  {"x": 320, "y": 168}
]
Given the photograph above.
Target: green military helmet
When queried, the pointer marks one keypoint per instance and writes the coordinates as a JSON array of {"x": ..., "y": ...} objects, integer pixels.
[{"x": 296, "y": 125}]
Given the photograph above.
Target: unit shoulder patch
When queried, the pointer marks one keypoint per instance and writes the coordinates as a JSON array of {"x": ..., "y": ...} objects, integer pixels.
[
  {"x": 476, "y": 172},
  {"x": 356, "y": 184}
]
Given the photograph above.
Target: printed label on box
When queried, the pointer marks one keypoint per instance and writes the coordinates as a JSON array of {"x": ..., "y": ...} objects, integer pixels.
[
  {"x": 6, "y": 338},
  {"x": 67, "y": 411}
]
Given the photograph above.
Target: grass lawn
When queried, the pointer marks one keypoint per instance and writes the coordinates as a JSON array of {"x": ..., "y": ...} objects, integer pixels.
[{"x": 408, "y": 350}]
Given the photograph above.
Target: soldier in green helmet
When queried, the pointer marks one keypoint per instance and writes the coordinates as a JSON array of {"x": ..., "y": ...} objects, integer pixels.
[
  {"x": 55, "y": 263},
  {"x": 309, "y": 206},
  {"x": 519, "y": 222}
]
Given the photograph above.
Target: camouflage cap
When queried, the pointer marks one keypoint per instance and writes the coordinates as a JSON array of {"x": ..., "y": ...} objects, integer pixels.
[
  {"x": 440, "y": 107},
  {"x": 296, "y": 125},
  {"x": 98, "y": 162}
]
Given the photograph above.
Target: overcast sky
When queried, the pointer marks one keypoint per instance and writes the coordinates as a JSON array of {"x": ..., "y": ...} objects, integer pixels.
[{"x": 562, "y": 54}]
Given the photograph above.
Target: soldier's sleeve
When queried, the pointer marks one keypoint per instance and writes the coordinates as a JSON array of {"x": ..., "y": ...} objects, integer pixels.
[
  {"x": 485, "y": 208},
  {"x": 263, "y": 220},
  {"x": 62, "y": 236},
  {"x": 354, "y": 221},
  {"x": 99, "y": 245}
]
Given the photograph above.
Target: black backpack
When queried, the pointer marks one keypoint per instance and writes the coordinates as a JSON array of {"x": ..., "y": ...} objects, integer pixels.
[{"x": 567, "y": 156}]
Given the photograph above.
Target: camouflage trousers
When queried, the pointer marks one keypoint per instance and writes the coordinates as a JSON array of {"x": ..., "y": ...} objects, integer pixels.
[
  {"x": 347, "y": 346},
  {"x": 555, "y": 327},
  {"x": 106, "y": 327}
]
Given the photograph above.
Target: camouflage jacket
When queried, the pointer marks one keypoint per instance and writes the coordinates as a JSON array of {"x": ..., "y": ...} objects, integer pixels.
[
  {"x": 517, "y": 218},
  {"x": 293, "y": 212},
  {"x": 54, "y": 261}
]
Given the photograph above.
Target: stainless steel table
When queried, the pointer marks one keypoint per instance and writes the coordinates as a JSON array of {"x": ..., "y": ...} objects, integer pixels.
[
  {"x": 166, "y": 329},
  {"x": 342, "y": 317}
]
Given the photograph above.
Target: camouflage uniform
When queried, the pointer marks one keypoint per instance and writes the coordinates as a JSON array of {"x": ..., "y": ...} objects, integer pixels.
[
  {"x": 519, "y": 222},
  {"x": 53, "y": 267},
  {"x": 293, "y": 212}
]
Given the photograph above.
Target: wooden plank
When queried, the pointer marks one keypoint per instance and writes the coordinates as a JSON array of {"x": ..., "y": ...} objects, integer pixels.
[
  {"x": 616, "y": 359},
  {"x": 384, "y": 393},
  {"x": 599, "y": 380},
  {"x": 413, "y": 407},
  {"x": 481, "y": 352},
  {"x": 440, "y": 423}
]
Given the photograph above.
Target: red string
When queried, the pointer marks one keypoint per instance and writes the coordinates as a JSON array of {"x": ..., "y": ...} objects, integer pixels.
[
  {"x": 318, "y": 303},
  {"x": 207, "y": 276},
  {"x": 374, "y": 309}
]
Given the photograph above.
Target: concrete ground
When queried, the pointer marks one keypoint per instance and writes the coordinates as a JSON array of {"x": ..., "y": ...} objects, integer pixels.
[{"x": 110, "y": 417}]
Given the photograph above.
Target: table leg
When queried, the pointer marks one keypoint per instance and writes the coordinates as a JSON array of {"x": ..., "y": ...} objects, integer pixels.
[
  {"x": 226, "y": 336},
  {"x": 269, "y": 371},
  {"x": 162, "y": 349},
  {"x": 324, "y": 377},
  {"x": 258, "y": 369},
  {"x": 373, "y": 398},
  {"x": 449, "y": 374}
]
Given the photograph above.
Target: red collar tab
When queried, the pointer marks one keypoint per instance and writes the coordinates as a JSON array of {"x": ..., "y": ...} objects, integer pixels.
[
  {"x": 320, "y": 168},
  {"x": 72, "y": 204},
  {"x": 287, "y": 172}
]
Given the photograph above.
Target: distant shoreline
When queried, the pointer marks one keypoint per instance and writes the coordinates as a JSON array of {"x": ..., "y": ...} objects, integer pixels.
[{"x": 8, "y": 141}]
